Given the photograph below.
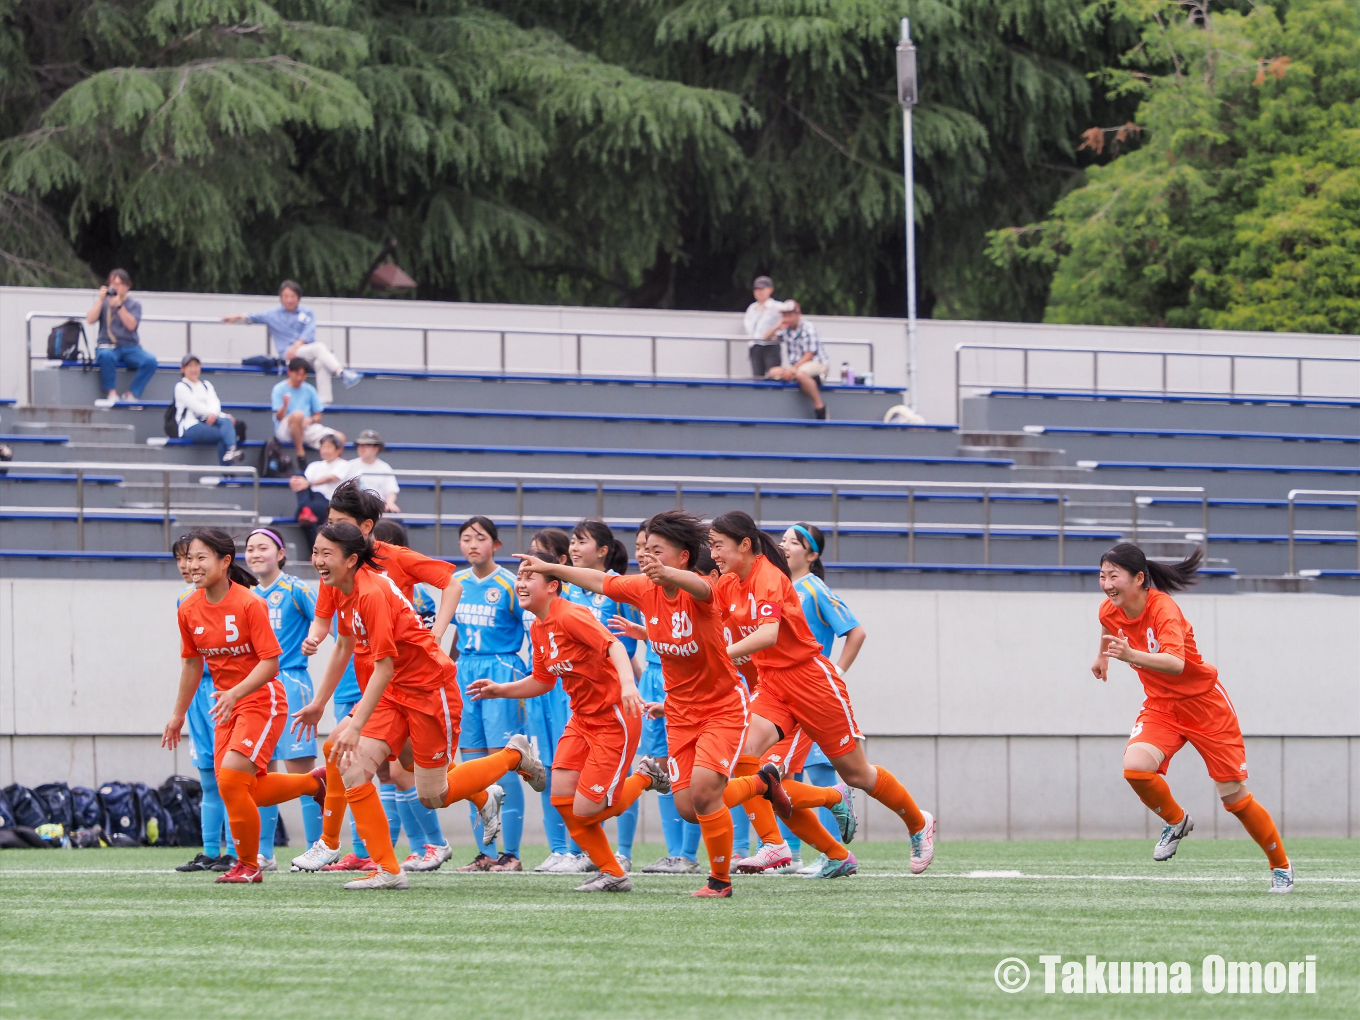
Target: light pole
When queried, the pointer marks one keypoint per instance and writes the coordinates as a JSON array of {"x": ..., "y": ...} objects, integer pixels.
[{"x": 906, "y": 95}]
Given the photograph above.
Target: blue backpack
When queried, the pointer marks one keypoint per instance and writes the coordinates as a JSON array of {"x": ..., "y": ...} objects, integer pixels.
[
  {"x": 56, "y": 799},
  {"x": 85, "y": 808},
  {"x": 157, "y": 827},
  {"x": 182, "y": 799},
  {"x": 6, "y": 813},
  {"x": 28, "y": 810},
  {"x": 121, "y": 815}
]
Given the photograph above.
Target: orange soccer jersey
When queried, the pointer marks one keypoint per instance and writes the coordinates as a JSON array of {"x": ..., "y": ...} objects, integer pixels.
[
  {"x": 768, "y": 595},
  {"x": 1162, "y": 627}
]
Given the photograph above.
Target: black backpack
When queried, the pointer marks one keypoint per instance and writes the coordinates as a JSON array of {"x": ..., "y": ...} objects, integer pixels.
[
  {"x": 121, "y": 815},
  {"x": 170, "y": 420},
  {"x": 67, "y": 343},
  {"x": 276, "y": 460},
  {"x": 85, "y": 808},
  {"x": 157, "y": 827},
  {"x": 6, "y": 812},
  {"x": 182, "y": 799},
  {"x": 28, "y": 810},
  {"x": 56, "y": 798}
]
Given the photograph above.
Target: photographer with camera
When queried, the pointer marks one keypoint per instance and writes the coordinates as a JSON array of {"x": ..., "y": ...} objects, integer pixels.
[{"x": 119, "y": 345}]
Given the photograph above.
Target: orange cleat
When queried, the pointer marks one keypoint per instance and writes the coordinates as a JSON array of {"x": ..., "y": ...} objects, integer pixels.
[
  {"x": 774, "y": 791},
  {"x": 715, "y": 889},
  {"x": 241, "y": 874},
  {"x": 352, "y": 862}
]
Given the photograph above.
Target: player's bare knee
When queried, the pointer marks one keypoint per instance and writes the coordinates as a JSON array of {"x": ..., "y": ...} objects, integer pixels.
[
  {"x": 431, "y": 787},
  {"x": 584, "y": 807},
  {"x": 1231, "y": 793},
  {"x": 1143, "y": 758},
  {"x": 356, "y": 775}
]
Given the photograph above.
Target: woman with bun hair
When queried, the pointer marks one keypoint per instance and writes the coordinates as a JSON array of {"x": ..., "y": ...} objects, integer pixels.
[{"x": 1184, "y": 703}]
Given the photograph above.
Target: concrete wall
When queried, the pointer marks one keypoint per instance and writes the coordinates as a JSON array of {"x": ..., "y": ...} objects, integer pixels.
[
  {"x": 936, "y": 343},
  {"x": 982, "y": 702}
]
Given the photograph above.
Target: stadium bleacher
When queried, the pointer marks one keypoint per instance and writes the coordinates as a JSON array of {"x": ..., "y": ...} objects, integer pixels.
[{"x": 638, "y": 444}]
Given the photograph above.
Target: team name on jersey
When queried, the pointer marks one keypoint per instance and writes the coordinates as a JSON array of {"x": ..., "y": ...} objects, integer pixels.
[
  {"x": 475, "y": 614},
  {"x": 679, "y": 651},
  {"x": 213, "y": 653},
  {"x": 558, "y": 668}
]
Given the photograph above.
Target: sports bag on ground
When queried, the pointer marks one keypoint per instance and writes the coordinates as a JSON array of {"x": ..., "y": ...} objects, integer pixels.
[
  {"x": 182, "y": 799},
  {"x": 28, "y": 810},
  {"x": 85, "y": 808},
  {"x": 121, "y": 815},
  {"x": 157, "y": 828},
  {"x": 56, "y": 799}
]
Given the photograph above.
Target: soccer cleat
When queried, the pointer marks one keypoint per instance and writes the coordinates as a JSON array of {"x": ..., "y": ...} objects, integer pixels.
[
  {"x": 671, "y": 866},
  {"x": 1282, "y": 879},
  {"x": 835, "y": 869},
  {"x": 482, "y": 862},
  {"x": 845, "y": 814},
  {"x": 713, "y": 889},
  {"x": 625, "y": 862},
  {"x": 316, "y": 857},
  {"x": 351, "y": 862},
  {"x": 319, "y": 774},
  {"x": 792, "y": 868},
  {"x": 200, "y": 863},
  {"x": 923, "y": 845},
  {"x": 223, "y": 864},
  {"x": 550, "y": 864},
  {"x": 351, "y": 378},
  {"x": 529, "y": 766},
  {"x": 429, "y": 860},
  {"x": 769, "y": 857},
  {"x": 774, "y": 791},
  {"x": 656, "y": 770},
  {"x": 814, "y": 867},
  {"x": 1171, "y": 838},
  {"x": 241, "y": 874},
  {"x": 605, "y": 882},
  {"x": 267, "y": 863},
  {"x": 412, "y": 860},
  {"x": 489, "y": 814},
  {"x": 382, "y": 880},
  {"x": 507, "y": 862},
  {"x": 579, "y": 864}
]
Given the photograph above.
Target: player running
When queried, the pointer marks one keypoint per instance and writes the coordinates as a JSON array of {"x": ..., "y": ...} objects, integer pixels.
[
  {"x": 1184, "y": 702},
  {"x": 799, "y": 686},
  {"x": 601, "y": 737},
  {"x": 227, "y": 625},
  {"x": 291, "y": 608}
]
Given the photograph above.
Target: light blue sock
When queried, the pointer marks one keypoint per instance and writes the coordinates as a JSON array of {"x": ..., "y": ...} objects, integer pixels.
[
  {"x": 689, "y": 848},
  {"x": 795, "y": 844},
  {"x": 387, "y": 793},
  {"x": 824, "y": 775},
  {"x": 672, "y": 825},
  {"x": 478, "y": 831},
  {"x": 628, "y": 823},
  {"x": 212, "y": 814},
  {"x": 512, "y": 812},
  {"x": 428, "y": 819},
  {"x": 741, "y": 833},
  {"x": 553, "y": 826},
  {"x": 360, "y": 850},
  {"x": 269, "y": 821},
  {"x": 311, "y": 819},
  {"x": 415, "y": 832}
]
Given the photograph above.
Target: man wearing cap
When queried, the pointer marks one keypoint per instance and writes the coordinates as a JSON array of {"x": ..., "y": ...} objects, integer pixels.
[
  {"x": 374, "y": 473},
  {"x": 297, "y": 412},
  {"x": 199, "y": 413},
  {"x": 807, "y": 356},
  {"x": 762, "y": 320}
]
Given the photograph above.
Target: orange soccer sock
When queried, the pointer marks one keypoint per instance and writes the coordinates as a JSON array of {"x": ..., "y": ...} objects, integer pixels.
[
  {"x": 277, "y": 787},
  {"x": 1260, "y": 826},
  {"x": 808, "y": 827},
  {"x": 626, "y": 795},
  {"x": 805, "y": 795},
  {"x": 748, "y": 789},
  {"x": 371, "y": 821},
  {"x": 717, "y": 832},
  {"x": 333, "y": 814},
  {"x": 1152, "y": 790},
  {"x": 742, "y": 789},
  {"x": 474, "y": 776},
  {"x": 589, "y": 835},
  {"x": 891, "y": 793},
  {"x": 242, "y": 812}
]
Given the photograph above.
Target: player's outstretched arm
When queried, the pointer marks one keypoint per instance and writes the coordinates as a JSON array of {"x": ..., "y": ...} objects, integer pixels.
[
  {"x": 190, "y": 674},
  {"x": 669, "y": 577},
  {"x": 481, "y": 690},
  {"x": 582, "y": 577}
]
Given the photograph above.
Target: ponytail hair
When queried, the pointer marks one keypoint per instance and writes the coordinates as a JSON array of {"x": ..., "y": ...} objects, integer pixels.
[
  {"x": 359, "y": 503},
  {"x": 1162, "y": 576},
  {"x": 352, "y": 542},
  {"x": 738, "y": 524},
  {"x": 810, "y": 537},
  {"x": 555, "y": 542},
  {"x": 681, "y": 529},
  {"x": 223, "y": 546},
  {"x": 616, "y": 553}
]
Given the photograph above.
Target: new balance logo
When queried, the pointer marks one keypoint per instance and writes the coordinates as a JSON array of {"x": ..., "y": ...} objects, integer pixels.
[
  {"x": 597, "y": 788},
  {"x": 437, "y": 755},
  {"x": 845, "y": 740},
  {"x": 198, "y": 630},
  {"x": 247, "y": 742}
]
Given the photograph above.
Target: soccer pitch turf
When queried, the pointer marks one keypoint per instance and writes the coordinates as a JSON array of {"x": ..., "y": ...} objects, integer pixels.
[{"x": 116, "y": 933}]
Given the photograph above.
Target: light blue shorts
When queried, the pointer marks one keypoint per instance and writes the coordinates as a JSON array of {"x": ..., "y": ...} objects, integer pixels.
[
  {"x": 490, "y": 723},
  {"x": 545, "y": 717},
  {"x": 297, "y": 684},
  {"x": 652, "y": 687},
  {"x": 817, "y": 757},
  {"x": 202, "y": 732}
]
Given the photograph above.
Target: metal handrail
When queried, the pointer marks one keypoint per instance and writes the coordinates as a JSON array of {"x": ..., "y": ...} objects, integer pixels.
[
  {"x": 165, "y": 470},
  {"x": 425, "y": 330},
  {"x": 1293, "y": 493},
  {"x": 1232, "y": 357}
]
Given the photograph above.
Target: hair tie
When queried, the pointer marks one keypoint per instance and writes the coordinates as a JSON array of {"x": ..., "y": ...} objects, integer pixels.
[
  {"x": 272, "y": 535},
  {"x": 812, "y": 542}
]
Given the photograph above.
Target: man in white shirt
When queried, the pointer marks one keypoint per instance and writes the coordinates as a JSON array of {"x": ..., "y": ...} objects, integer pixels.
[
  {"x": 374, "y": 473},
  {"x": 317, "y": 483},
  {"x": 763, "y": 317}
]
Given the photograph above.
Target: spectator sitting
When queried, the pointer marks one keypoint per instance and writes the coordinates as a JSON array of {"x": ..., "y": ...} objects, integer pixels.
[
  {"x": 297, "y": 412},
  {"x": 373, "y": 473},
  {"x": 317, "y": 483},
  {"x": 293, "y": 330},
  {"x": 807, "y": 357},
  {"x": 762, "y": 320},
  {"x": 199, "y": 412},
  {"x": 119, "y": 344}
]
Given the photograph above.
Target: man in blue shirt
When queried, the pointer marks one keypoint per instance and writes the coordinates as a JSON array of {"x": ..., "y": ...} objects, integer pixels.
[
  {"x": 292, "y": 328},
  {"x": 297, "y": 412},
  {"x": 119, "y": 345}
]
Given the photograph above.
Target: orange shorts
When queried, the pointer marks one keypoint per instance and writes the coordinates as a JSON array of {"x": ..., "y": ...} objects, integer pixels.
[
  {"x": 709, "y": 737},
  {"x": 791, "y": 753},
  {"x": 429, "y": 719},
  {"x": 600, "y": 748},
  {"x": 1208, "y": 722},
  {"x": 813, "y": 698},
  {"x": 255, "y": 726}
]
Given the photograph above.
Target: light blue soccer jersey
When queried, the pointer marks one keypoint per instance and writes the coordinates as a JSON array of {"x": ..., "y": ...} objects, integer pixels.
[
  {"x": 603, "y": 608},
  {"x": 292, "y": 605},
  {"x": 488, "y": 616},
  {"x": 425, "y": 606},
  {"x": 827, "y": 616}
]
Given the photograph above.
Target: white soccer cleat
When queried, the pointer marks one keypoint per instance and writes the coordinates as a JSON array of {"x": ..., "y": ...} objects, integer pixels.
[
  {"x": 577, "y": 864},
  {"x": 626, "y": 863},
  {"x": 923, "y": 845},
  {"x": 318, "y": 855},
  {"x": 814, "y": 868},
  {"x": 605, "y": 882},
  {"x": 430, "y": 860},
  {"x": 267, "y": 863},
  {"x": 529, "y": 766},
  {"x": 770, "y": 857},
  {"x": 1282, "y": 879},
  {"x": 792, "y": 868},
  {"x": 412, "y": 862},
  {"x": 490, "y": 813},
  {"x": 1171, "y": 838},
  {"x": 655, "y": 769},
  {"x": 381, "y": 879},
  {"x": 552, "y": 864}
]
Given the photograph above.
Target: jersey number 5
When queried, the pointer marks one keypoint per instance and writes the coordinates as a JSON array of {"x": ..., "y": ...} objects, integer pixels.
[
  {"x": 552, "y": 644},
  {"x": 232, "y": 633}
]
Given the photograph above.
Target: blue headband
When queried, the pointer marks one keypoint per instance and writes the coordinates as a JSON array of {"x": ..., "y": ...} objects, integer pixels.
[{"x": 812, "y": 542}]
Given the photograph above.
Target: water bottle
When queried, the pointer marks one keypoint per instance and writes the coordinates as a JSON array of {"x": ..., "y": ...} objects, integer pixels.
[
  {"x": 847, "y": 374},
  {"x": 868, "y": 378}
]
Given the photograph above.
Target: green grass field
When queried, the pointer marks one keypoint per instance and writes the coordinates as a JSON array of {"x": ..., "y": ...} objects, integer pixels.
[{"x": 115, "y": 933}]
